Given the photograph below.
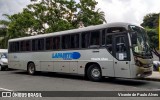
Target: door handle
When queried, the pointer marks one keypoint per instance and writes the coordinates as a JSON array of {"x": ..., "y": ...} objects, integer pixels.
[
  {"x": 115, "y": 62},
  {"x": 126, "y": 62}
]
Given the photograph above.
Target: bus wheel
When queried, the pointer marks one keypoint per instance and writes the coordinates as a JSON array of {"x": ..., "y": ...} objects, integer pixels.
[
  {"x": 31, "y": 68},
  {"x": 1, "y": 67},
  {"x": 94, "y": 73}
]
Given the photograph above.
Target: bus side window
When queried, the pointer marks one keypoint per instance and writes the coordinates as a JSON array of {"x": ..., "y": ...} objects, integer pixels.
[
  {"x": 10, "y": 47},
  {"x": 28, "y": 45},
  {"x": 40, "y": 44},
  {"x": 56, "y": 43},
  {"x": 85, "y": 40},
  {"x": 109, "y": 40},
  {"x": 66, "y": 42},
  {"x": 103, "y": 38},
  {"x": 49, "y": 43},
  {"x": 34, "y": 45},
  {"x": 94, "y": 39},
  {"x": 23, "y": 46},
  {"x": 14, "y": 46},
  {"x": 75, "y": 41}
]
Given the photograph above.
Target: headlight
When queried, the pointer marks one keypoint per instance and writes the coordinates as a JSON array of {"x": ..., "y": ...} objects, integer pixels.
[{"x": 138, "y": 63}]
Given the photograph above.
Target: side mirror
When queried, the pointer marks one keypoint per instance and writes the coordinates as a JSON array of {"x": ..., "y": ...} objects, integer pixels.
[
  {"x": 134, "y": 37},
  {"x": 3, "y": 57}
]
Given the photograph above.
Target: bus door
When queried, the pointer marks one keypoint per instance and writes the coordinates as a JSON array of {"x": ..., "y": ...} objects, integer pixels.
[{"x": 120, "y": 52}]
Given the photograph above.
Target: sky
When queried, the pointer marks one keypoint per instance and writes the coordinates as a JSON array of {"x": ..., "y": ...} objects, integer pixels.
[
  {"x": 131, "y": 11},
  {"x": 12, "y": 6}
]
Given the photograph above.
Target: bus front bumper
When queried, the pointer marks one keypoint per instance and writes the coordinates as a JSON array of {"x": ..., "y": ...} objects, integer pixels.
[
  {"x": 4, "y": 66},
  {"x": 144, "y": 72}
]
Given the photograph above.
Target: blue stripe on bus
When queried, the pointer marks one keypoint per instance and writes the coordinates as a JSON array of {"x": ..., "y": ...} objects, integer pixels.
[{"x": 67, "y": 55}]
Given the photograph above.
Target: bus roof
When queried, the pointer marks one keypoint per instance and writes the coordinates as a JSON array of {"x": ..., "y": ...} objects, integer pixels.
[{"x": 89, "y": 28}]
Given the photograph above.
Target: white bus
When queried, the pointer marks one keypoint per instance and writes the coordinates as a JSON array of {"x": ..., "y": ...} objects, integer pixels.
[{"x": 108, "y": 50}]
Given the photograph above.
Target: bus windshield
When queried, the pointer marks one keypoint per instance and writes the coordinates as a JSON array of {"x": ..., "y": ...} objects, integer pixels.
[
  {"x": 141, "y": 47},
  {"x": 4, "y": 55}
]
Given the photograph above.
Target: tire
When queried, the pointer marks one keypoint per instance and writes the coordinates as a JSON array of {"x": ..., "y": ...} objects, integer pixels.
[
  {"x": 31, "y": 68},
  {"x": 155, "y": 67},
  {"x": 94, "y": 73},
  {"x": 6, "y": 68},
  {"x": 1, "y": 69}
]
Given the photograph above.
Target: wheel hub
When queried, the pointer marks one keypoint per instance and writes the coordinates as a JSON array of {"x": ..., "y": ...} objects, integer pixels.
[
  {"x": 31, "y": 69},
  {"x": 95, "y": 73}
]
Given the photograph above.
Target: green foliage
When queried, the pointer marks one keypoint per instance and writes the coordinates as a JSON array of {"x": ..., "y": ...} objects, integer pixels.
[
  {"x": 70, "y": 13},
  {"x": 150, "y": 23},
  {"x": 150, "y": 20},
  {"x": 47, "y": 16},
  {"x": 3, "y": 32},
  {"x": 18, "y": 25},
  {"x": 153, "y": 36}
]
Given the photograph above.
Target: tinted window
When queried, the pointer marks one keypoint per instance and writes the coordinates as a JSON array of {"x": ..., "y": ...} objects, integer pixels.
[
  {"x": 49, "y": 43},
  {"x": 40, "y": 44},
  {"x": 11, "y": 47},
  {"x": 75, "y": 41},
  {"x": 56, "y": 42},
  {"x": 37, "y": 44},
  {"x": 66, "y": 42},
  {"x": 116, "y": 30},
  {"x": 34, "y": 45},
  {"x": 14, "y": 46},
  {"x": 103, "y": 38},
  {"x": 94, "y": 39},
  {"x": 85, "y": 40},
  {"x": 23, "y": 46},
  {"x": 109, "y": 41},
  {"x": 28, "y": 45}
]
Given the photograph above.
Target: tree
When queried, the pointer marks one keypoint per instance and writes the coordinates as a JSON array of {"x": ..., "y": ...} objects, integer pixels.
[
  {"x": 150, "y": 20},
  {"x": 150, "y": 23},
  {"x": 21, "y": 24},
  {"x": 87, "y": 13},
  {"x": 153, "y": 36},
  {"x": 62, "y": 15},
  {"x": 45, "y": 16},
  {"x": 3, "y": 31},
  {"x": 18, "y": 25},
  {"x": 3, "y": 26}
]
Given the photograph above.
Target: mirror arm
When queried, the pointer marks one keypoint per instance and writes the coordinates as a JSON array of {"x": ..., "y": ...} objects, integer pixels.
[{"x": 156, "y": 52}]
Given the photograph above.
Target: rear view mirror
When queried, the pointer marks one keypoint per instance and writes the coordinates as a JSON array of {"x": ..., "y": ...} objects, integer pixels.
[{"x": 134, "y": 37}]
